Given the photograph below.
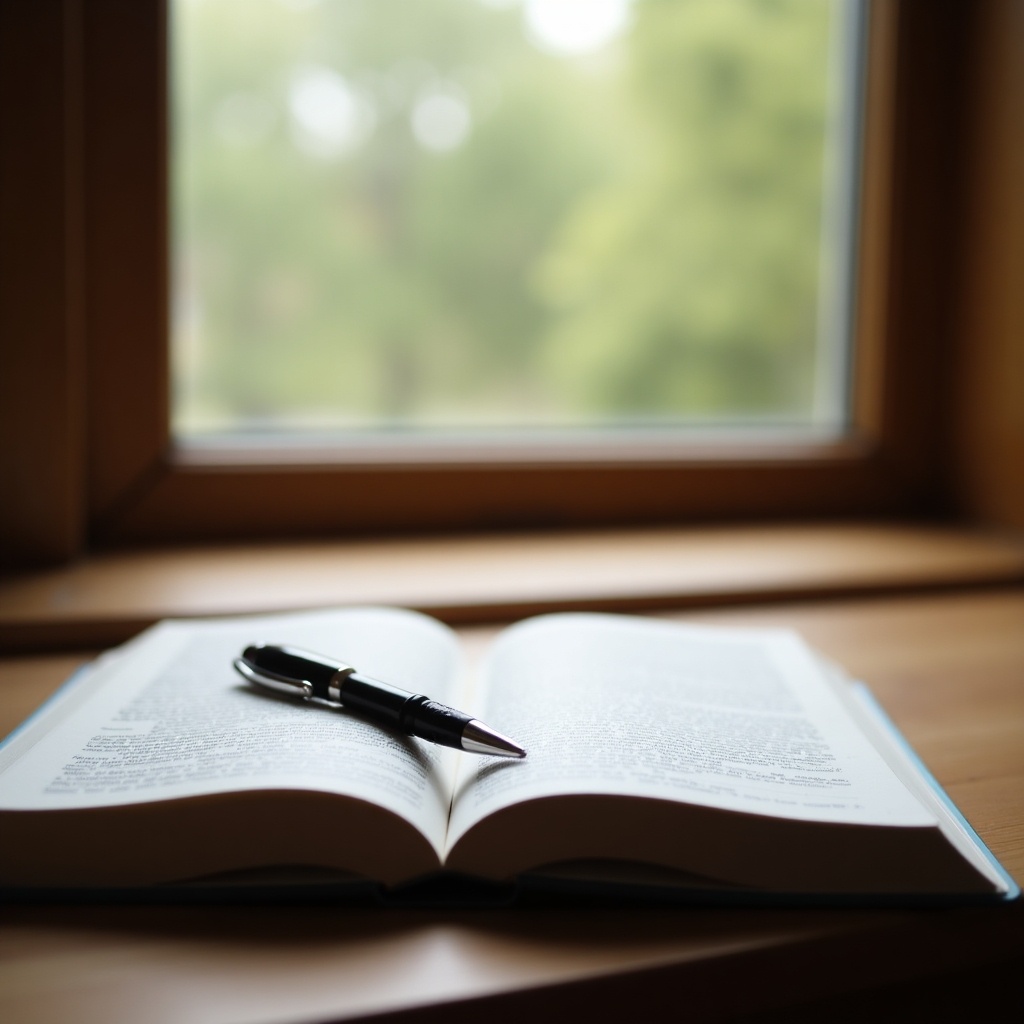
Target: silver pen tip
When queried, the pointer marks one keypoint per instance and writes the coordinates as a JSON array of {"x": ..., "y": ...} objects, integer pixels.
[{"x": 478, "y": 738}]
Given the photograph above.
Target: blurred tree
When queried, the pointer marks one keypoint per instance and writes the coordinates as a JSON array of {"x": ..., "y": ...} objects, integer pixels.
[{"x": 690, "y": 287}]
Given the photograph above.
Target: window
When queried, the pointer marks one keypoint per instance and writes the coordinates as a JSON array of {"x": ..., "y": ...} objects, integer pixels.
[
  {"x": 87, "y": 157},
  {"x": 461, "y": 218}
]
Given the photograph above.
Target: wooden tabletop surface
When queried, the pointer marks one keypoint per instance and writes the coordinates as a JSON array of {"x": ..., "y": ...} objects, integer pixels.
[{"x": 948, "y": 667}]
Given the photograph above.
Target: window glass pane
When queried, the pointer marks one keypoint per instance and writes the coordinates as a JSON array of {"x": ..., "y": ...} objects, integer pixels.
[{"x": 429, "y": 215}]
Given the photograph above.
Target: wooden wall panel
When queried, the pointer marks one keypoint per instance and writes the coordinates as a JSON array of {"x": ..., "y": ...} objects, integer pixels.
[
  {"x": 125, "y": 177},
  {"x": 41, "y": 393},
  {"x": 990, "y": 377}
]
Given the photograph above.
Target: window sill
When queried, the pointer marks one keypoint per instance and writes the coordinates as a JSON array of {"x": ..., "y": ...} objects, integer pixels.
[{"x": 107, "y": 598}]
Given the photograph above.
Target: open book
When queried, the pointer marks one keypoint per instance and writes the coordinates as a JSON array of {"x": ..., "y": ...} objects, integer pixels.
[{"x": 662, "y": 758}]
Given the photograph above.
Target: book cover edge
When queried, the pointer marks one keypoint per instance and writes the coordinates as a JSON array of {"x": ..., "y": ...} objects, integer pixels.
[{"x": 863, "y": 693}]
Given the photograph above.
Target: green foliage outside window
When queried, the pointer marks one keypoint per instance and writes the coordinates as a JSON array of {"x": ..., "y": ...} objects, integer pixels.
[{"x": 407, "y": 213}]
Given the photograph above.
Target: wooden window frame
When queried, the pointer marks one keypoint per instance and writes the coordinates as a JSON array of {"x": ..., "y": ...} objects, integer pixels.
[{"x": 90, "y": 329}]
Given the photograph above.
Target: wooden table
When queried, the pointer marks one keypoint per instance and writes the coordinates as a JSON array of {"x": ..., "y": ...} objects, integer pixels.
[{"x": 949, "y": 668}]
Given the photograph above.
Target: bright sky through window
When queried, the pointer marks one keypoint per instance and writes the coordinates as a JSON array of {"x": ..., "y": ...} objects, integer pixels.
[
  {"x": 493, "y": 215},
  {"x": 574, "y": 27}
]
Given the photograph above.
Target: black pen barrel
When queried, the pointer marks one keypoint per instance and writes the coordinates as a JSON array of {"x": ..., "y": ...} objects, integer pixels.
[
  {"x": 410, "y": 713},
  {"x": 375, "y": 699},
  {"x": 435, "y": 722}
]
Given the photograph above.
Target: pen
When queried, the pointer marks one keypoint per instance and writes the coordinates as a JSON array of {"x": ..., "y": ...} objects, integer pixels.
[{"x": 299, "y": 673}]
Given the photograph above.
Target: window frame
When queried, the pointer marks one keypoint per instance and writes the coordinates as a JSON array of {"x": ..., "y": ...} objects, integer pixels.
[{"x": 123, "y": 481}]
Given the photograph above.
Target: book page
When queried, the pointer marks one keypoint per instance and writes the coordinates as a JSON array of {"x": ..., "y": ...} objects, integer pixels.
[
  {"x": 167, "y": 716},
  {"x": 738, "y": 720}
]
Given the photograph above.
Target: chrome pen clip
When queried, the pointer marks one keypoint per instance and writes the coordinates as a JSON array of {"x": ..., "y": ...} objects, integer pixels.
[{"x": 272, "y": 680}]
